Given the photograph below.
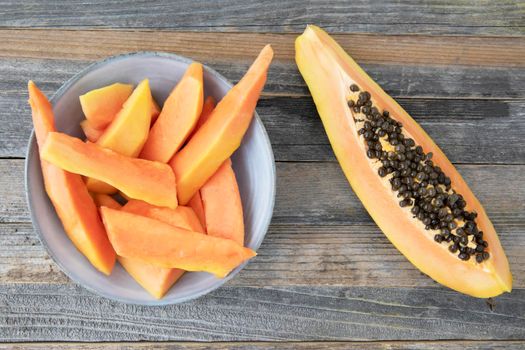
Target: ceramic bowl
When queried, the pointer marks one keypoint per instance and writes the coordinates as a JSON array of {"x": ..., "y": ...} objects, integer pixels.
[{"x": 253, "y": 164}]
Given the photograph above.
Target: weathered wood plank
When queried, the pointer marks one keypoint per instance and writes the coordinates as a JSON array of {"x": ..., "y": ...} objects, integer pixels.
[
  {"x": 314, "y": 255},
  {"x": 68, "y": 313},
  {"x": 414, "y": 81},
  {"x": 312, "y": 201},
  {"x": 377, "y": 48},
  {"x": 396, "y": 345},
  {"x": 469, "y": 131},
  {"x": 465, "y": 17}
]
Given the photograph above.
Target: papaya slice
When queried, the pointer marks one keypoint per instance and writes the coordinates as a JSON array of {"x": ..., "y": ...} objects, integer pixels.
[
  {"x": 426, "y": 210},
  {"x": 222, "y": 133},
  {"x": 155, "y": 280},
  {"x": 207, "y": 108},
  {"x": 222, "y": 205},
  {"x": 95, "y": 101},
  {"x": 128, "y": 132},
  {"x": 155, "y": 110},
  {"x": 69, "y": 194},
  {"x": 183, "y": 217},
  {"x": 158, "y": 280},
  {"x": 178, "y": 117},
  {"x": 105, "y": 200},
  {"x": 196, "y": 204},
  {"x": 101, "y": 105},
  {"x": 152, "y": 241},
  {"x": 92, "y": 133},
  {"x": 142, "y": 179}
]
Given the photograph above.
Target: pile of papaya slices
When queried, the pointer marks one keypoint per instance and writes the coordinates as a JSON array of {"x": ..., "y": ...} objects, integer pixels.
[
  {"x": 171, "y": 164},
  {"x": 407, "y": 184}
]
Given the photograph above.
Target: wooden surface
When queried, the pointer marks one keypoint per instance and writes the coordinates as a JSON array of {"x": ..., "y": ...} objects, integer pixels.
[{"x": 325, "y": 276}]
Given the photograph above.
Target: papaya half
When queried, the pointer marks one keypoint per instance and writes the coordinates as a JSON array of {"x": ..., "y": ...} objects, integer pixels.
[{"x": 407, "y": 184}]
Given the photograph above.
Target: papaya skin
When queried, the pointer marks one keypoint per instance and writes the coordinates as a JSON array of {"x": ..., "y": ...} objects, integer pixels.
[
  {"x": 178, "y": 117},
  {"x": 69, "y": 195},
  {"x": 222, "y": 205},
  {"x": 128, "y": 132},
  {"x": 157, "y": 243},
  {"x": 221, "y": 134},
  {"x": 152, "y": 182},
  {"x": 101, "y": 105},
  {"x": 328, "y": 72}
]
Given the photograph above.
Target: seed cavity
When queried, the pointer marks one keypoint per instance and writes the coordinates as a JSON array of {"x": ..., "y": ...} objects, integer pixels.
[{"x": 420, "y": 184}]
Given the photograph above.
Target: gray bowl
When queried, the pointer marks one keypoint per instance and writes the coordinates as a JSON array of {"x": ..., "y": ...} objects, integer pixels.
[{"x": 253, "y": 164}]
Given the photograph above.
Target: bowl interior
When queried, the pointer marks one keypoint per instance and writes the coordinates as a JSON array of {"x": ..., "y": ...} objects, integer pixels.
[{"x": 253, "y": 164}]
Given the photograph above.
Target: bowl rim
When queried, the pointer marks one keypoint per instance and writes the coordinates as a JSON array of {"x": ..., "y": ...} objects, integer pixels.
[{"x": 36, "y": 225}]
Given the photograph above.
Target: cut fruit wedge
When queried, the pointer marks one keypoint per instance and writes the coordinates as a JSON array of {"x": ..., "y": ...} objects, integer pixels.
[
  {"x": 222, "y": 205},
  {"x": 330, "y": 74},
  {"x": 128, "y": 132},
  {"x": 101, "y": 105},
  {"x": 178, "y": 117},
  {"x": 152, "y": 241},
  {"x": 149, "y": 181},
  {"x": 92, "y": 133},
  {"x": 183, "y": 217},
  {"x": 222, "y": 133},
  {"x": 69, "y": 195}
]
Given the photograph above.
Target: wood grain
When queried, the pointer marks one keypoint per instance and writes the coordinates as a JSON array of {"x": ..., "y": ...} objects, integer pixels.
[
  {"x": 469, "y": 131},
  {"x": 69, "y": 313},
  {"x": 291, "y": 255},
  {"x": 397, "y": 345},
  {"x": 465, "y": 17},
  {"x": 311, "y": 201},
  {"x": 367, "y": 48}
]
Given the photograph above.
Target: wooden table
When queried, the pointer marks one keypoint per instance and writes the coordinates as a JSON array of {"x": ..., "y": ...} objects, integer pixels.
[{"x": 325, "y": 277}]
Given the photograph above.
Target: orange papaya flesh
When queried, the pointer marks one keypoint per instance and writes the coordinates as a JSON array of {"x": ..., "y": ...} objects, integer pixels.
[
  {"x": 128, "y": 132},
  {"x": 222, "y": 205},
  {"x": 329, "y": 72},
  {"x": 155, "y": 280},
  {"x": 207, "y": 108},
  {"x": 152, "y": 182},
  {"x": 92, "y": 133},
  {"x": 178, "y": 117},
  {"x": 221, "y": 134},
  {"x": 183, "y": 217},
  {"x": 104, "y": 200},
  {"x": 158, "y": 280},
  {"x": 196, "y": 204},
  {"x": 196, "y": 201},
  {"x": 155, "y": 110},
  {"x": 101, "y": 105},
  {"x": 155, "y": 242},
  {"x": 69, "y": 195}
]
